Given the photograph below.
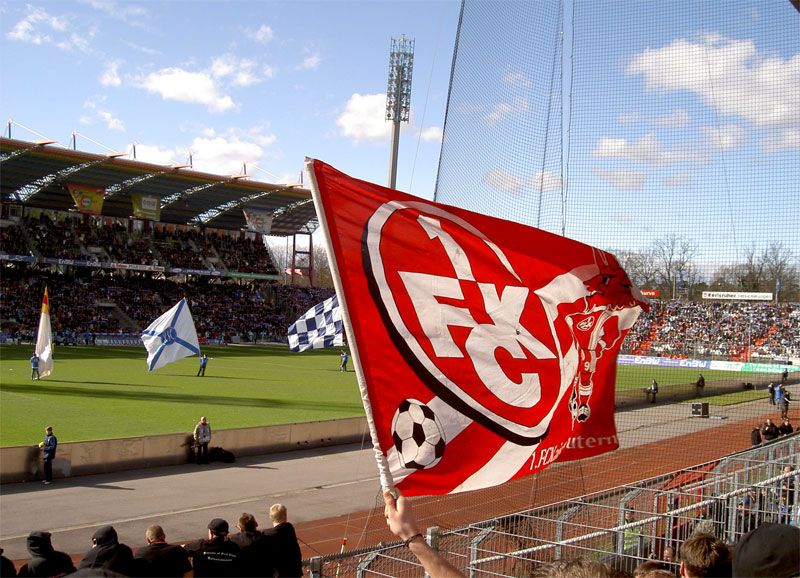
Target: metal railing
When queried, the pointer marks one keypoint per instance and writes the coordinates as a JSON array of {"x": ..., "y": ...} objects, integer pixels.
[{"x": 623, "y": 526}]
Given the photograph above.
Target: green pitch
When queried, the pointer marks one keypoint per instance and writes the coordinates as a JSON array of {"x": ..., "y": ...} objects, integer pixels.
[{"x": 107, "y": 392}]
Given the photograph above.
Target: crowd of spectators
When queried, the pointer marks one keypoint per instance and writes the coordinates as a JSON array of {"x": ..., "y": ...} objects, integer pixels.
[
  {"x": 83, "y": 306},
  {"x": 249, "y": 552},
  {"x": 717, "y": 329},
  {"x": 261, "y": 311},
  {"x": 85, "y": 239}
]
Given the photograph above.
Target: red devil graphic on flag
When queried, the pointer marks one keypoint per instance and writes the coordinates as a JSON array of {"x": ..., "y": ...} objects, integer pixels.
[{"x": 485, "y": 350}]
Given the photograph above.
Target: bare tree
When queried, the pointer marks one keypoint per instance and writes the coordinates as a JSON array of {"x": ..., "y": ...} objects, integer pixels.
[
  {"x": 641, "y": 267},
  {"x": 777, "y": 262},
  {"x": 673, "y": 254}
]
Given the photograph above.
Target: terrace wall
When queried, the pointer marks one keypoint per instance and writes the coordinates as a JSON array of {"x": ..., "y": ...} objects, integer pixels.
[{"x": 23, "y": 463}]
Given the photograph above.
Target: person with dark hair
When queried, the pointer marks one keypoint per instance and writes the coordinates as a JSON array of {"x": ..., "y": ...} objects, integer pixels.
[
  {"x": 576, "y": 568},
  {"x": 786, "y": 427},
  {"x": 216, "y": 555},
  {"x": 769, "y": 432},
  {"x": 769, "y": 551},
  {"x": 34, "y": 366},
  {"x": 45, "y": 560},
  {"x": 704, "y": 555},
  {"x": 653, "y": 391},
  {"x": 755, "y": 435},
  {"x": 771, "y": 390},
  {"x": 701, "y": 383},
  {"x": 282, "y": 540},
  {"x": 203, "y": 363},
  {"x": 159, "y": 558},
  {"x": 107, "y": 553},
  {"x": 258, "y": 556},
  {"x": 7, "y": 567}
]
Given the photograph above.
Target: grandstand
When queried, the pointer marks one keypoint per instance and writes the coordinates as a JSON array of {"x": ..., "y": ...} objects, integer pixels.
[{"x": 664, "y": 177}]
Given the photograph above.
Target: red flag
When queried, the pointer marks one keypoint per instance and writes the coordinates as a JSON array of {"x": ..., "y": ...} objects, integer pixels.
[{"x": 485, "y": 349}]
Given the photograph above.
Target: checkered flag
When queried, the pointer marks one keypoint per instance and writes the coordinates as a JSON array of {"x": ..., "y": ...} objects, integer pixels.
[{"x": 320, "y": 326}]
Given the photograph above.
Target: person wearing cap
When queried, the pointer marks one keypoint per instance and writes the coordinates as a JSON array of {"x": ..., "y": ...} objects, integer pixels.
[
  {"x": 45, "y": 560},
  {"x": 48, "y": 447},
  {"x": 107, "y": 553},
  {"x": 771, "y": 550},
  {"x": 216, "y": 555}
]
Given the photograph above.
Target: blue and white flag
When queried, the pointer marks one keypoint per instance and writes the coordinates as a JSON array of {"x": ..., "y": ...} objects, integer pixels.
[
  {"x": 171, "y": 337},
  {"x": 321, "y": 326}
]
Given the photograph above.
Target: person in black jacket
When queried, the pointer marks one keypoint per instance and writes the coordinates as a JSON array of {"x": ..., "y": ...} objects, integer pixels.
[
  {"x": 255, "y": 548},
  {"x": 45, "y": 560},
  {"x": 160, "y": 559},
  {"x": 216, "y": 556},
  {"x": 769, "y": 432},
  {"x": 107, "y": 553},
  {"x": 7, "y": 567},
  {"x": 283, "y": 542}
]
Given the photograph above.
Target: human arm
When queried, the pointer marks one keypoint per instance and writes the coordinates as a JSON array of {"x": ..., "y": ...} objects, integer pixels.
[{"x": 403, "y": 524}]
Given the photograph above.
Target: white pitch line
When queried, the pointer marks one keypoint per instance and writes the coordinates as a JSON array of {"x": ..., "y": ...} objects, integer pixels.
[{"x": 21, "y": 395}]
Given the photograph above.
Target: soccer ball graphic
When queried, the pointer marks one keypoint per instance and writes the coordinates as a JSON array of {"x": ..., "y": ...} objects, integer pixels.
[{"x": 418, "y": 436}]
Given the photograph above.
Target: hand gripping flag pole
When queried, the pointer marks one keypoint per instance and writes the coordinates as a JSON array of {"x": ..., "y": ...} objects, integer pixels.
[
  {"x": 171, "y": 337},
  {"x": 485, "y": 350}
]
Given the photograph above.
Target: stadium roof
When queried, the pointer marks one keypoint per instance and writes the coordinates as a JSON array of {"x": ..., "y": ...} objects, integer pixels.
[{"x": 35, "y": 174}]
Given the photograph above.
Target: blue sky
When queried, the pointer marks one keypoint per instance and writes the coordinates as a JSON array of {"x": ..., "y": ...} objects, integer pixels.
[
  {"x": 264, "y": 83},
  {"x": 685, "y": 115}
]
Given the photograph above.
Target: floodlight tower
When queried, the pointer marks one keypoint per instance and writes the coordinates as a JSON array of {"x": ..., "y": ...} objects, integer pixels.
[{"x": 398, "y": 95}]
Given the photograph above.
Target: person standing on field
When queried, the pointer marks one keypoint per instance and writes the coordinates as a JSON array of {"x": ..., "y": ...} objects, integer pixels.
[
  {"x": 202, "y": 437},
  {"x": 344, "y": 361},
  {"x": 203, "y": 363},
  {"x": 34, "y": 366}
]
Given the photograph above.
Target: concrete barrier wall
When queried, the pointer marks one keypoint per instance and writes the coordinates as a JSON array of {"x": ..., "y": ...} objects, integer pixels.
[
  {"x": 23, "y": 463},
  {"x": 19, "y": 464}
]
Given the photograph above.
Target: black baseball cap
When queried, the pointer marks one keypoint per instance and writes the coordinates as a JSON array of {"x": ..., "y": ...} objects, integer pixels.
[
  {"x": 218, "y": 526},
  {"x": 770, "y": 550}
]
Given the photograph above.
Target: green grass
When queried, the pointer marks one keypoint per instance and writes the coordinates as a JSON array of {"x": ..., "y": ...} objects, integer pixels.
[
  {"x": 732, "y": 398},
  {"x": 639, "y": 377},
  {"x": 107, "y": 392}
]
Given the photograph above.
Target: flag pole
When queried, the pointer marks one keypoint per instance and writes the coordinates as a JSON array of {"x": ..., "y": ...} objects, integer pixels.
[{"x": 387, "y": 483}]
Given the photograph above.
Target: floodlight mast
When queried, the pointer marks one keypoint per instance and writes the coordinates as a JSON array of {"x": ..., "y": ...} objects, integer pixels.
[{"x": 398, "y": 95}]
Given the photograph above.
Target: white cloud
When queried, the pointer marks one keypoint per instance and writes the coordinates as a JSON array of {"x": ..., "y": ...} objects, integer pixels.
[
  {"x": 36, "y": 27},
  {"x": 726, "y": 137},
  {"x": 516, "y": 79},
  {"x": 364, "y": 118},
  {"x": 158, "y": 156},
  {"x": 431, "y": 134},
  {"x": 268, "y": 71},
  {"x": 761, "y": 88},
  {"x": 678, "y": 180},
  {"x": 126, "y": 11},
  {"x": 505, "y": 182},
  {"x": 224, "y": 156},
  {"x": 504, "y": 109},
  {"x": 241, "y": 71},
  {"x": 788, "y": 138},
  {"x": 648, "y": 150},
  {"x": 310, "y": 63},
  {"x": 679, "y": 119},
  {"x": 110, "y": 76},
  {"x": 263, "y": 35},
  {"x": 184, "y": 86},
  {"x": 111, "y": 121},
  {"x": 628, "y": 117},
  {"x": 622, "y": 179}
]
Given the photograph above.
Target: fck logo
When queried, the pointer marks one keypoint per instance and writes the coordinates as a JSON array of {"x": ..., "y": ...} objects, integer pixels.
[{"x": 466, "y": 319}]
